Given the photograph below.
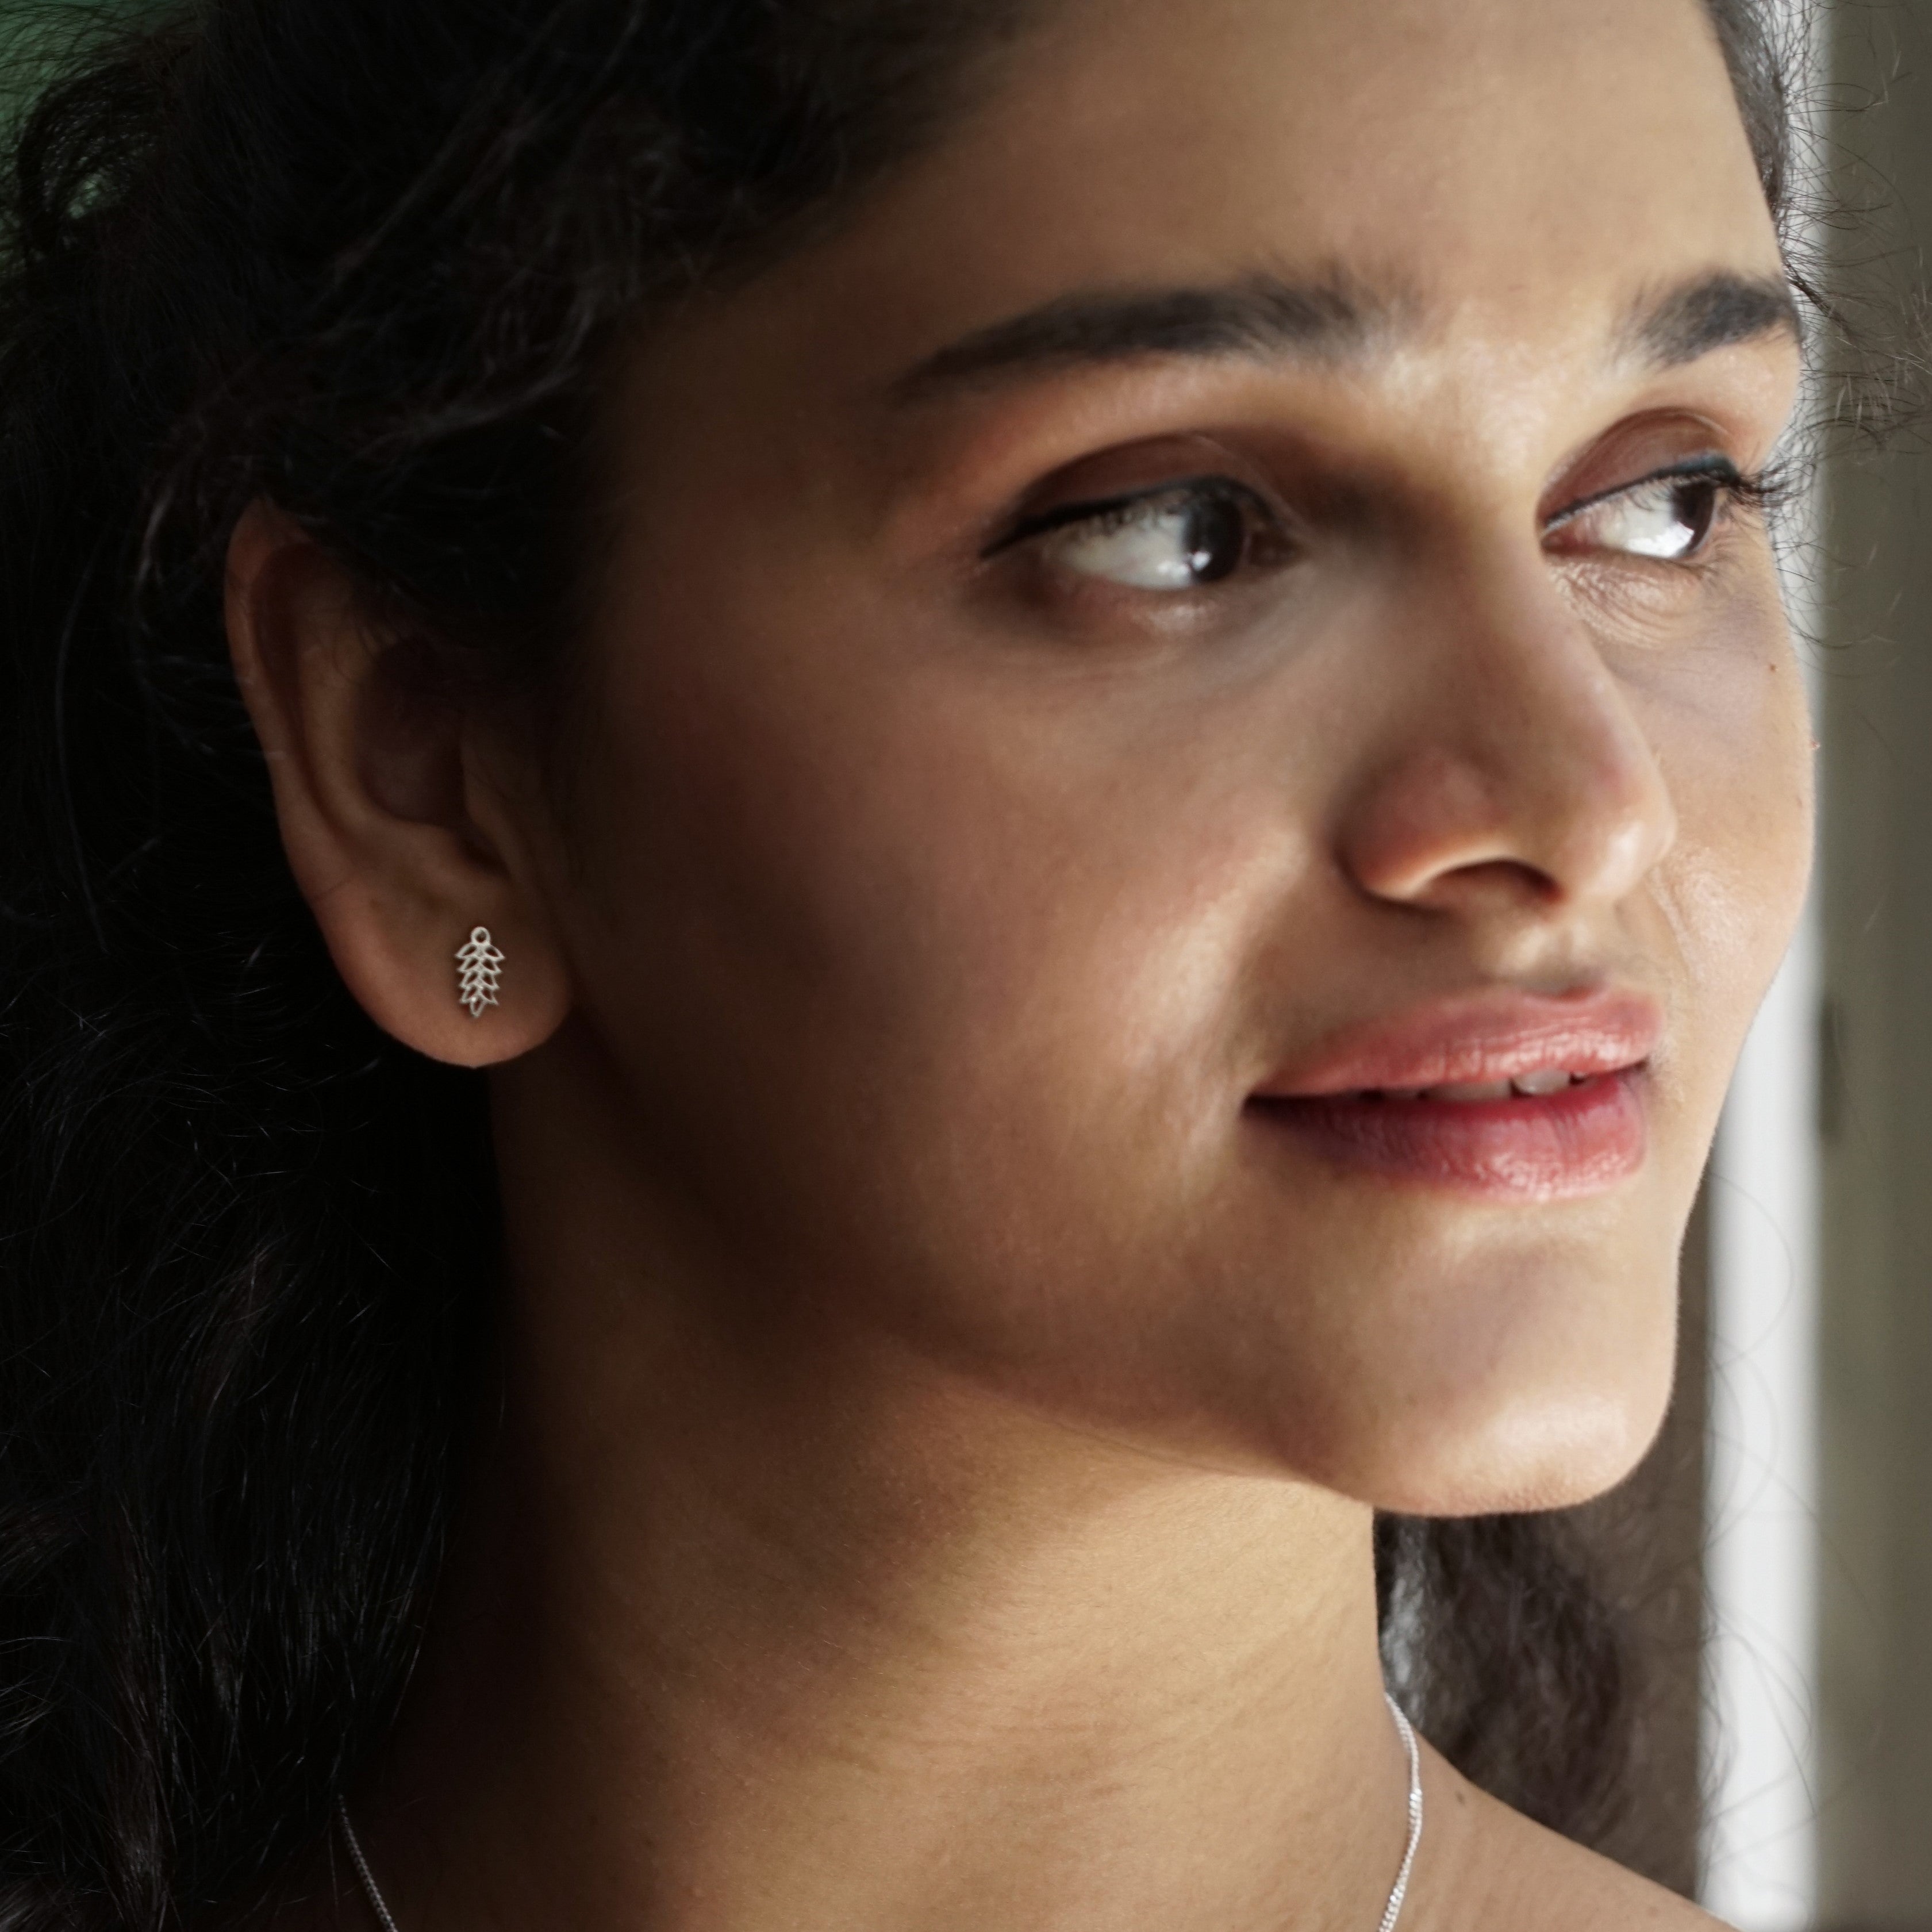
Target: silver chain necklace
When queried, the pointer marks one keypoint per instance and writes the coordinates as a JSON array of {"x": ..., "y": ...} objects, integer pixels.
[
  {"x": 379, "y": 1906},
  {"x": 1399, "y": 1891}
]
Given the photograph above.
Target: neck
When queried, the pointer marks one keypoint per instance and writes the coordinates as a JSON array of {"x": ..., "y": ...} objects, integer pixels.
[{"x": 802, "y": 1632}]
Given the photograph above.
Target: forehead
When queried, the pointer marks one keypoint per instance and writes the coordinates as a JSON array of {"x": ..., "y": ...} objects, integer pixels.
[{"x": 1521, "y": 170}]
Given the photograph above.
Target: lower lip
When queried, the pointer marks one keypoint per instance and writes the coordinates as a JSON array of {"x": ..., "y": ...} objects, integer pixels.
[{"x": 1556, "y": 1146}]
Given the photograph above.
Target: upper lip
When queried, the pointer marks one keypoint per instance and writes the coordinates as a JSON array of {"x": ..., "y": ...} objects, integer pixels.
[{"x": 1493, "y": 1036}]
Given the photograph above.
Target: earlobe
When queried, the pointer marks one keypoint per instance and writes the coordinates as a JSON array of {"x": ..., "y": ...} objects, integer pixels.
[{"x": 400, "y": 833}]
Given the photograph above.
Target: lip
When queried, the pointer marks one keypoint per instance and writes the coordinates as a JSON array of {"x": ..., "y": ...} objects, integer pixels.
[{"x": 1583, "y": 1139}]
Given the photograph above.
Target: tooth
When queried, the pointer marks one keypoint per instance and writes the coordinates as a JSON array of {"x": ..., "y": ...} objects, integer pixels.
[
  {"x": 1549, "y": 1080},
  {"x": 1471, "y": 1090}
]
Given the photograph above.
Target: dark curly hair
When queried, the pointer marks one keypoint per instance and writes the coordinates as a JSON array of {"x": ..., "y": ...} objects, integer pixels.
[{"x": 370, "y": 260}]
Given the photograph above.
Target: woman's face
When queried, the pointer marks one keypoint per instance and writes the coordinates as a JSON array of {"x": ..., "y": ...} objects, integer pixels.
[{"x": 1218, "y": 601}]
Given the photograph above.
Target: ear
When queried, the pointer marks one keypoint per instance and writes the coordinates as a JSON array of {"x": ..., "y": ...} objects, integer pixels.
[{"x": 400, "y": 813}]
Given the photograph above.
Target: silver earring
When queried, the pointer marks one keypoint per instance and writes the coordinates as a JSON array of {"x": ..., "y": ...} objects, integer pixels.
[{"x": 482, "y": 967}]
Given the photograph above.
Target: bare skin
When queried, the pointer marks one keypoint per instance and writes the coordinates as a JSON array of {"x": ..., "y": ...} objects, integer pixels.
[{"x": 940, "y": 1412}]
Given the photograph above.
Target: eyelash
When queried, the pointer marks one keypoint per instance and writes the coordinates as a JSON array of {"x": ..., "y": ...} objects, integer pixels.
[
  {"x": 1762, "y": 491},
  {"x": 1116, "y": 510}
]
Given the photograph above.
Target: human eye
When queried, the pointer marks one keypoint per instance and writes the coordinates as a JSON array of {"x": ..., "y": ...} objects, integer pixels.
[
  {"x": 1179, "y": 537},
  {"x": 1670, "y": 515}
]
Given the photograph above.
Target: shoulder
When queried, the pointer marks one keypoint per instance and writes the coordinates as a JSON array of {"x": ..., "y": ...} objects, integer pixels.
[{"x": 1497, "y": 1871}]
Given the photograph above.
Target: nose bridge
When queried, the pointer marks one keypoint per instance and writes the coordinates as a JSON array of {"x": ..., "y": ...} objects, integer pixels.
[{"x": 1518, "y": 751}]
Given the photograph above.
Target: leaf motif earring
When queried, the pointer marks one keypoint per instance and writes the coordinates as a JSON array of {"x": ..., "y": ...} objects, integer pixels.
[{"x": 482, "y": 967}]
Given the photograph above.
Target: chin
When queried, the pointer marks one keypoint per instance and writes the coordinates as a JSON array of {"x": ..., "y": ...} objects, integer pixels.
[{"x": 1544, "y": 1450}]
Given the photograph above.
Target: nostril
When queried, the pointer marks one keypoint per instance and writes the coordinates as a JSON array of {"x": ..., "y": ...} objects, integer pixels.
[
  {"x": 1509, "y": 878},
  {"x": 1499, "y": 885}
]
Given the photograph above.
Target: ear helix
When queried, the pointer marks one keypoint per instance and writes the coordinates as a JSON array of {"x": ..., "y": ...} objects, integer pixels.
[{"x": 481, "y": 965}]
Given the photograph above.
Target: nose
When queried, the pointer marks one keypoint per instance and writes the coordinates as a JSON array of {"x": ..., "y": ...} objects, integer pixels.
[{"x": 1513, "y": 765}]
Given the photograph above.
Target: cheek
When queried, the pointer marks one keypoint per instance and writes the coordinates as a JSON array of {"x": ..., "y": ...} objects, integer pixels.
[
  {"x": 926, "y": 980},
  {"x": 1736, "y": 746}
]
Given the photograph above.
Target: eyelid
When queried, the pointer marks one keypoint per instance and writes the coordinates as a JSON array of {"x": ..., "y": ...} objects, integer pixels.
[
  {"x": 1709, "y": 466},
  {"x": 1089, "y": 509}
]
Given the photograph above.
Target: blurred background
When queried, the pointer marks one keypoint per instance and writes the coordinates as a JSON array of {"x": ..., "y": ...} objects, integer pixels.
[
  {"x": 1777, "y": 1547},
  {"x": 1775, "y": 1550}
]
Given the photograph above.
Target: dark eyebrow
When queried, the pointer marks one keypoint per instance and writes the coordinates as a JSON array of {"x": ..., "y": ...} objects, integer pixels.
[
  {"x": 1710, "y": 312},
  {"x": 1259, "y": 315}
]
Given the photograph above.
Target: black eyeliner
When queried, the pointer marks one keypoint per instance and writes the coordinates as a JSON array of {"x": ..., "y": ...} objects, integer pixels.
[{"x": 1758, "y": 490}]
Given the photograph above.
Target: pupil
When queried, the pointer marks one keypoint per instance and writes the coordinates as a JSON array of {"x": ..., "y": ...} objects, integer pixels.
[
  {"x": 1216, "y": 537},
  {"x": 1695, "y": 504}
]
